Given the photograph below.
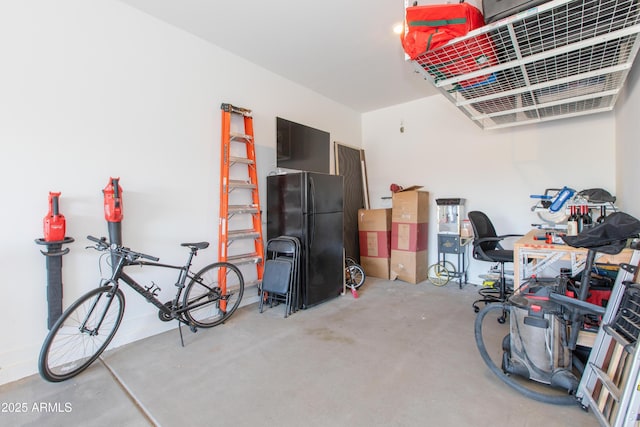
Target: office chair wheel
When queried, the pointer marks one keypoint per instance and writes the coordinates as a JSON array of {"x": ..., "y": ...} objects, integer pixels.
[
  {"x": 441, "y": 272},
  {"x": 502, "y": 318},
  {"x": 476, "y": 308}
]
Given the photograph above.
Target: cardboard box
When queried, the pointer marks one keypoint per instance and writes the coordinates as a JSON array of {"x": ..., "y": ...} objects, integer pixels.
[
  {"x": 374, "y": 233},
  {"x": 410, "y": 206},
  {"x": 375, "y": 267},
  {"x": 374, "y": 219},
  {"x": 409, "y": 266},
  {"x": 410, "y": 221},
  {"x": 409, "y": 236},
  {"x": 375, "y": 244}
]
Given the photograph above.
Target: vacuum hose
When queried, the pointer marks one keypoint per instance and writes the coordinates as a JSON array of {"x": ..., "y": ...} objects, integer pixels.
[{"x": 541, "y": 397}]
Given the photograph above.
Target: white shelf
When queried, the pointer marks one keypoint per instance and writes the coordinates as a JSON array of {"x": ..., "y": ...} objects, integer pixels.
[{"x": 564, "y": 58}]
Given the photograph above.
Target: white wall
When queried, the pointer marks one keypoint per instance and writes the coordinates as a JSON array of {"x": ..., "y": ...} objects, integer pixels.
[
  {"x": 96, "y": 89},
  {"x": 495, "y": 171},
  {"x": 627, "y": 143}
]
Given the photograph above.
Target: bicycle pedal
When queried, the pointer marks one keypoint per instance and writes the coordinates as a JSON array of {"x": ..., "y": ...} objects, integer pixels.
[{"x": 193, "y": 328}]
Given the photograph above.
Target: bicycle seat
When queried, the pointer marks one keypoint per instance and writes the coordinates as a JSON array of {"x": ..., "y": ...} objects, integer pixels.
[{"x": 199, "y": 245}]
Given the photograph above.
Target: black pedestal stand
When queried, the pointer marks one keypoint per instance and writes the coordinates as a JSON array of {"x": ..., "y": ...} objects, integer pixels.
[
  {"x": 115, "y": 237},
  {"x": 54, "y": 255}
]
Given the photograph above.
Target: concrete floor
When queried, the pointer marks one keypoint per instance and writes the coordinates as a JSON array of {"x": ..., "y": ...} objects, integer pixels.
[{"x": 400, "y": 355}]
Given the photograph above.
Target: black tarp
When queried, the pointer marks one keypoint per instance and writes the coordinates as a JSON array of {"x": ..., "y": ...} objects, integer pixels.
[{"x": 609, "y": 237}]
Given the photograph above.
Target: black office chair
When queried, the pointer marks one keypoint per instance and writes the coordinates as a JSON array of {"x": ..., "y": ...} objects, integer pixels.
[{"x": 486, "y": 247}]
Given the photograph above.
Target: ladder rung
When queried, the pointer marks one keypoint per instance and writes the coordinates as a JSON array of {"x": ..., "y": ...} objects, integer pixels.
[
  {"x": 244, "y": 259},
  {"x": 244, "y": 160},
  {"x": 234, "y": 183},
  {"x": 240, "y": 209},
  {"x": 606, "y": 381},
  {"x": 243, "y": 234},
  {"x": 619, "y": 338},
  {"x": 240, "y": 136}
]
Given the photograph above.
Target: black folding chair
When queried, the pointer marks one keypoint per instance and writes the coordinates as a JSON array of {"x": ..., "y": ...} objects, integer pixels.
[{"x": 280, "y": 281}]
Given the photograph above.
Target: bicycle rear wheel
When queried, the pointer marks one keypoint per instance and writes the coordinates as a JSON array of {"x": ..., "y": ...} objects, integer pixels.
[
  {"x": 81, "y": 334},
  {"x": 355, "y": 275},
  {"x": 206, "y": 304}
]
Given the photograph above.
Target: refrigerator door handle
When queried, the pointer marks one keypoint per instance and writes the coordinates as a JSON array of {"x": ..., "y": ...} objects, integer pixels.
[{"x": 312, "y": 213}]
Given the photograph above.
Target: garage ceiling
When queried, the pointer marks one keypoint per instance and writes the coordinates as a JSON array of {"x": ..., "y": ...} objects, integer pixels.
[{"x": 344, "y": 50}]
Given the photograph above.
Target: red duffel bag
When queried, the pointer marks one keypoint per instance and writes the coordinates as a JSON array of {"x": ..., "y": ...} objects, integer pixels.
[{"x": 431, "y": 26}]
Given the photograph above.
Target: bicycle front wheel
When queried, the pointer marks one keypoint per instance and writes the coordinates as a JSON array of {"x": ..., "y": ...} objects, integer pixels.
[
  {"x": 81, "y": 334},
  {"x": 355, "y": 276},
  {"x": 213, "y": 295}
]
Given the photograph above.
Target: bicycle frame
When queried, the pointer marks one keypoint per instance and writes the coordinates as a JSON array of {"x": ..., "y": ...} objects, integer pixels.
[
  {"x": 149, "y": 296},
  {"x": 174, "y": 311},
  {"x": 148, "y": 293}
]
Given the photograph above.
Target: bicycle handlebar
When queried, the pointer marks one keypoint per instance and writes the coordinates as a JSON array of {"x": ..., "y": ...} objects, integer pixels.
[{"x": 103, "y": 245}]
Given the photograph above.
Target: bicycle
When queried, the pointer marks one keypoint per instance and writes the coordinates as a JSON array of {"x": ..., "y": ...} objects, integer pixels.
[
  {"x": 85, "y": 329},
  {"x": 354, "y": 275}
]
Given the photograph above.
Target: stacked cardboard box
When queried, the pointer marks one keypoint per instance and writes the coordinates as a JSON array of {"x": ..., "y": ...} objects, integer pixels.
[
  {"x": 374, "y": 232},
  {"x": 409, "y": 238}
]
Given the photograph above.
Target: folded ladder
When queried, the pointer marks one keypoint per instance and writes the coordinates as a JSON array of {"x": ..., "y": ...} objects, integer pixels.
[{"x": 610, "y": 383}]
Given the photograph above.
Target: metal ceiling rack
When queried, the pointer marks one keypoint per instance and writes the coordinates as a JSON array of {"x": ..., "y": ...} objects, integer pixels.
[{"x": 561, "y": 59}]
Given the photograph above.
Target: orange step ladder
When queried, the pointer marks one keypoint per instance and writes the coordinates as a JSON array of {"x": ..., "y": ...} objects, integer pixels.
[{"x": 240, "y": 226}]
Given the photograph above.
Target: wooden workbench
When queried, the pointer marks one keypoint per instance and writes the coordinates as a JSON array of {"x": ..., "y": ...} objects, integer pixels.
[{"x": 532, "y": 256}]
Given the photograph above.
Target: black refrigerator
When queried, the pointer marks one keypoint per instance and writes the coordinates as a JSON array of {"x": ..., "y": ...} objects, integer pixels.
[{"x": 309, "y": 205}]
